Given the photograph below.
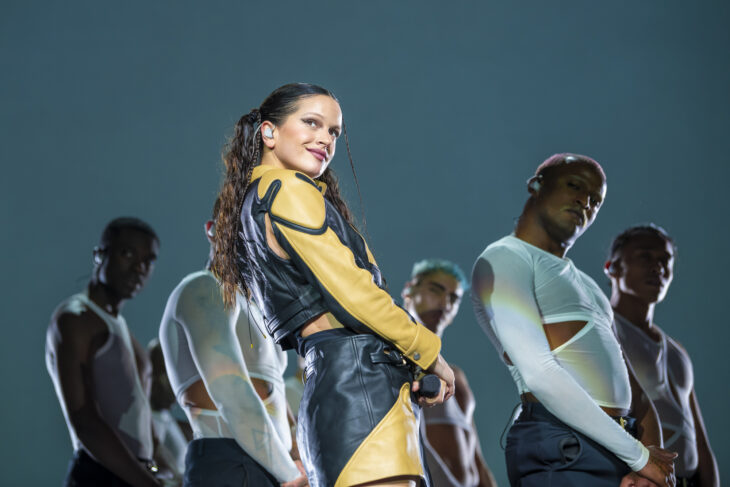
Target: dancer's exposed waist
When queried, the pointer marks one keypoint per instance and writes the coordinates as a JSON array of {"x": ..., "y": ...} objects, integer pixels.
[{"x": 613, "y": 412}]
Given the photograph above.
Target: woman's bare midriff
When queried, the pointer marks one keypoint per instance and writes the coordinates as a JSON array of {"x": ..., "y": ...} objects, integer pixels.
[
  {"x": 196, "y": 395},
  {"x": 320, "y": 323}
]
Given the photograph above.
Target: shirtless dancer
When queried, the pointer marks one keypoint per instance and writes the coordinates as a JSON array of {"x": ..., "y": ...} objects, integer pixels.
[
  {"x": 454, "y": 456},
  {"x": 228, "y": 378},
  {"x": 641, "y": 266},
  {"x": 95, "y": 364},
  {"x": 552, "y": 326}
]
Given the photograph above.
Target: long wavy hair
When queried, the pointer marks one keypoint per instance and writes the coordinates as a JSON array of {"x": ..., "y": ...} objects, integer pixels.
[{"x": 241, "y": 154}]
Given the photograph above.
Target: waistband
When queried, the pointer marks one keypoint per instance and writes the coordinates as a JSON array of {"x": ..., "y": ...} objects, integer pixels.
[
  {"x": 216, "y": 446},
  {"x": 305, "y": 344},
  {"x": 148, "y": 463},
  {"x": 331, "y": 342},
  {"x": 535, "y": 410}
]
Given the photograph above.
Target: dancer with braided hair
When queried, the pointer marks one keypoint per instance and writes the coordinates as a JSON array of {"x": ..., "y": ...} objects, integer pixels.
[{"x": 285, "y": 237}]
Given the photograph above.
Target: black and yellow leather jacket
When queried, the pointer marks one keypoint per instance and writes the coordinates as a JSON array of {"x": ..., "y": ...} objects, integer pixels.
[{"x": 330, "y": 268}]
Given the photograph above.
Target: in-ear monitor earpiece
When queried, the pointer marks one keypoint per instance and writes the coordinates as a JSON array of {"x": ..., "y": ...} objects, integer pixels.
[
  {"x": 268, "y": 133},
  {"x": 98, "y": 259}
]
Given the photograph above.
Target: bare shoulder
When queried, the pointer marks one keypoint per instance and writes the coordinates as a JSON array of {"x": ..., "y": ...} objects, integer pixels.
[{"x": 76, "y": 328}]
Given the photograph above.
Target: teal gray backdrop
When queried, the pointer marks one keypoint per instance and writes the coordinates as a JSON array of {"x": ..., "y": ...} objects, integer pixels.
[{"x": 121, "y": 108}]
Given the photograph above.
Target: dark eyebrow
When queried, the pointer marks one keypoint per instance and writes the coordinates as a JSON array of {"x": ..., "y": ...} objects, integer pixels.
[{"x": 318, "y": 115}]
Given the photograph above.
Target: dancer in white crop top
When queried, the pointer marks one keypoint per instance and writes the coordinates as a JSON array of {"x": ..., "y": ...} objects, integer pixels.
[
  {"x": 212, "y": 354},
  {"x": 552, "y": 326},
  {"x": 641, "y": 267}
]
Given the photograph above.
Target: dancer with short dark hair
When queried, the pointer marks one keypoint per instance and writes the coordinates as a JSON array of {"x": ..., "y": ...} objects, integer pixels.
[
  {"x": 97, "y": 365},
  {"x": 640, "y": 266}
]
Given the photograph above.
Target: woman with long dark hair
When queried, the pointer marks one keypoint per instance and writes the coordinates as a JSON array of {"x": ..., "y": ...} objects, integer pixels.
[{"x": 285, "y": 238}]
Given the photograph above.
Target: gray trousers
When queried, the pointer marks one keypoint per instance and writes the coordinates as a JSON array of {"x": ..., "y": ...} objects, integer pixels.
[
  {"x": 220, "y": 462},
  {"x": 543, "y": 451}
]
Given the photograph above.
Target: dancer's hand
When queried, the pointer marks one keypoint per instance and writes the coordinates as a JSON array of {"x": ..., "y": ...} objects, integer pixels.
[
  {"x": 442, "y": 370},
  {"x": 300, "y": 481},
  {"x": 635, "y": 480},
  {"x": 660, "y": 467}
]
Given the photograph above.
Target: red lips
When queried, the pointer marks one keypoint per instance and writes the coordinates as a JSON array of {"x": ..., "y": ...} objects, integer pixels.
[{"x": 319, "y": 154}]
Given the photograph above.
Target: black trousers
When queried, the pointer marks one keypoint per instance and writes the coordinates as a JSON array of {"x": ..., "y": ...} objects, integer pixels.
[
  {"x": 84, "y": 471},
  {"x": 542, "y": 451},
  {"x": 220, "y": 462}
]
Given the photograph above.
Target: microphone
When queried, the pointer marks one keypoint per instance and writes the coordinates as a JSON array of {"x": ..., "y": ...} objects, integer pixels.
[{"x": 430, "y": 386}]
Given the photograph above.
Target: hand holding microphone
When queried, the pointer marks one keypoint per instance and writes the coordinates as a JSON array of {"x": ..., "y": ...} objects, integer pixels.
[{"x": 437, "y": 386}]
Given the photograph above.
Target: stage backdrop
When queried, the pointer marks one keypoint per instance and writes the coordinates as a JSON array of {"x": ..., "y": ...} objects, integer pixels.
[{"x": 113, "y": 109}]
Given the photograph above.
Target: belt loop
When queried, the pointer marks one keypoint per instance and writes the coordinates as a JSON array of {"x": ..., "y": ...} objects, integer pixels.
[{"x": 199, "y": 447}]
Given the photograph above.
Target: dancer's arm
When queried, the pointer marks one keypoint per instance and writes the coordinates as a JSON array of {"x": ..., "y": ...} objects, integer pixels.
[
  {"x": 708, "y": 475},
  {"x": 215, "y": 348},
  {"x": 503, "y": 284}
]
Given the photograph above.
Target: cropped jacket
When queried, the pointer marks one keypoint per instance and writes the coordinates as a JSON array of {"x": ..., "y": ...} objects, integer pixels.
[{"x": 329, "y": 270}]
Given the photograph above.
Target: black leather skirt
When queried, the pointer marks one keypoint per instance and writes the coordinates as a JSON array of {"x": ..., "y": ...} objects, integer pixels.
[{"x": 358, "y": 420}]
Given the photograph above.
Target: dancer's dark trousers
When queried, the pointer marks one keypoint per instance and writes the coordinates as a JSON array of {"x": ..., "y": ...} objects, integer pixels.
[
  {"x": 84, "y": 471},
  {"x": 542, "y": 451},
  {"x": 220, "y": 462}
]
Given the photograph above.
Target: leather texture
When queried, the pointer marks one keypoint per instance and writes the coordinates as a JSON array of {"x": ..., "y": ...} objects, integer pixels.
[
  {"x": 331, "y": 268},
  {"x": 389, "y": 449},
  {"x": 357, "y": 419},
  {"x": 285, "y": 297}
]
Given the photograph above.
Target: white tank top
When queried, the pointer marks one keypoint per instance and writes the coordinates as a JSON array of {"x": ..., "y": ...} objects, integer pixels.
[
  {"x": 665, "y": 374},
  {"x": 118, "y": 392}
]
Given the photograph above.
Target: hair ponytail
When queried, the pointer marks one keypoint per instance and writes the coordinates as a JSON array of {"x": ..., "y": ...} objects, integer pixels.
[{"x": 242, "y": 153}]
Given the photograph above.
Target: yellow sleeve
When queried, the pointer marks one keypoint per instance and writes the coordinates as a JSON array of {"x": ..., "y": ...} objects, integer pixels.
[{"x": 299, "y": 218}]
